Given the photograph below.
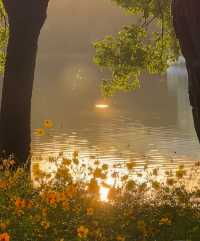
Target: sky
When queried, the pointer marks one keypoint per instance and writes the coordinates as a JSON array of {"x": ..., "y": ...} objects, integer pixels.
[{"x": 71, "y": 25}]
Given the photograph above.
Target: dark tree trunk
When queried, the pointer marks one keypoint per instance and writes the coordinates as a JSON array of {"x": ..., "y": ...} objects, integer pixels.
[
  {"x": 26, "y": 18},
  {"x": 186, "y": 19}
]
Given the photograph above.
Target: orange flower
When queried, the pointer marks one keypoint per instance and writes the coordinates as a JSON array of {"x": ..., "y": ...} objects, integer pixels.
[
  {"x": 120, "y": 238},
  {"x": 165, "y": 221},
  {"x": 90, "y": 211},
  {"x": 65, "y": 205},
  {"x": 52, "y": 198},
  {"x": 3, "y": 184},
  {"x": 71, "y": 190},
  {"x": 62, "y": 196},
  {"x": 4, "y": 237},
  {"x": 82, "y": 232},
  {"x": 20, "y": 203}
]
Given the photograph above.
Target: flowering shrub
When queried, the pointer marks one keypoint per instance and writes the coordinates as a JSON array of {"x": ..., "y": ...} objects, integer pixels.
[{"x": 66, "y": 203}]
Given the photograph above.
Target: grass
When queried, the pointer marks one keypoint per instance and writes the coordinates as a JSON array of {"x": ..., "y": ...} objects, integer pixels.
[{"x": 66, "y": 204}]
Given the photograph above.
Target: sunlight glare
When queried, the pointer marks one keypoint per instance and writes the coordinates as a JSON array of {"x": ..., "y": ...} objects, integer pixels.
[
  {"x": 104, "y": 194},
  {"x": 101, "y": 106},
  {"x": 104, "y": 191}
]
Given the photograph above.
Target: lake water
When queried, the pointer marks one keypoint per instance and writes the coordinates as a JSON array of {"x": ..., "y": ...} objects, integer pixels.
[{"x": 151, "y": 125}]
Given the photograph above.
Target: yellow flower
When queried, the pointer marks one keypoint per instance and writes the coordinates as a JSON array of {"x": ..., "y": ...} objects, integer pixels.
[
  {"x": 82, "y": 231},
  {"x": 104, "y": 167},
  {"x": 39, "y": 132},
  {"x": 180, "y": 173},
  {"x": 75, "y": 154},
  {"x": 165, "y": 221},
  {"x": 130, "y": 165},
  {"x": 71, "y": 190},
  {"x": 120, "y": 238},
  {"x": 139, "y": 174},
  {"x": 62, "y": 196},
  {"x": 37, "y": 172},
  {"x": 97, "y": 162},
  {"x": 44, "y": 212},
  {"x": 67, "y": 162},
  {"x": 130, "y": 185},
  {"x": 65, "y": 205},
  {"x": 45, "y": 224},
  {"x": 124, "y": 178},
  {"x": 76, "y": 161},
  {"x": 48, "y": 124},
  {"x": 90, "y": 211},
  {"x": 155, "y": 172},
  {"x": 156, "y": 185},
  {"x": 4, "y": 237},
  {"x": 170, "y": 181},
  {"x": 63, "y": 173},
  {"x": 98, "y": 173}
]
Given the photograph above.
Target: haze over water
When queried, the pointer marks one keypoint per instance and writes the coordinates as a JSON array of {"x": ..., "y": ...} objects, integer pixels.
[{"x": 153, "y": 124}]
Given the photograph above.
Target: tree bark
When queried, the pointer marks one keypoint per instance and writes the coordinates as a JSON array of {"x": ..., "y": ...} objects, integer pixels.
[
  {"x": 186, "y": 20},
  {"x": 26, "y": 18}
]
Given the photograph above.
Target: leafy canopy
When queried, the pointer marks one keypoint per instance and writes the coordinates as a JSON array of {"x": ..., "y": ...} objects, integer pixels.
[
  {"x": 148, "y": 45},
  {"x": 3, "y": 36}
]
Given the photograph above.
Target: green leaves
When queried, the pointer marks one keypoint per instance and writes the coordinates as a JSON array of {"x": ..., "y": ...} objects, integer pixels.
[
  {"x": 148, "y": 45},
  {"x": 3, "y": 36}
]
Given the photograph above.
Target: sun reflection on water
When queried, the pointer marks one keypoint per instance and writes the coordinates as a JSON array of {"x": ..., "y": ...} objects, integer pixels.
[
  {"x": 102, "y": 106},
  {"x": 104, "y": 194},
  {"x": 104, "y": 189}
]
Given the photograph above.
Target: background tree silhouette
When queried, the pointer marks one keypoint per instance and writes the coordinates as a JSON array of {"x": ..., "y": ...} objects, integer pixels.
[{"x": 26, "y": 18}]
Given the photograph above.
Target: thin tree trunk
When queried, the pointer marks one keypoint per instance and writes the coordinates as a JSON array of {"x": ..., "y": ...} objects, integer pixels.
[
  {"x": 26, "y": 18},
  {"x": 186, "y": 19}
]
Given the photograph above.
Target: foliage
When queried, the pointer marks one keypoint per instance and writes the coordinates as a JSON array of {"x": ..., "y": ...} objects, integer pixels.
[
  {"x": 65, "y": 204},
  {"x": 3, "y": 36},
  {"x": 147, "y": 45}
]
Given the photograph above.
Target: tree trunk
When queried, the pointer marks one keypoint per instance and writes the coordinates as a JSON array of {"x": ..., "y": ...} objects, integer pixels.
[
  {"x": 186, "y": 19},
  {"x": 26, "y": 18}
]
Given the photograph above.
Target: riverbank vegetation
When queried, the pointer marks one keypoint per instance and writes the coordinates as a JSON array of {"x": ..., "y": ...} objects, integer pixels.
[{"x": 93, "y": 201}]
